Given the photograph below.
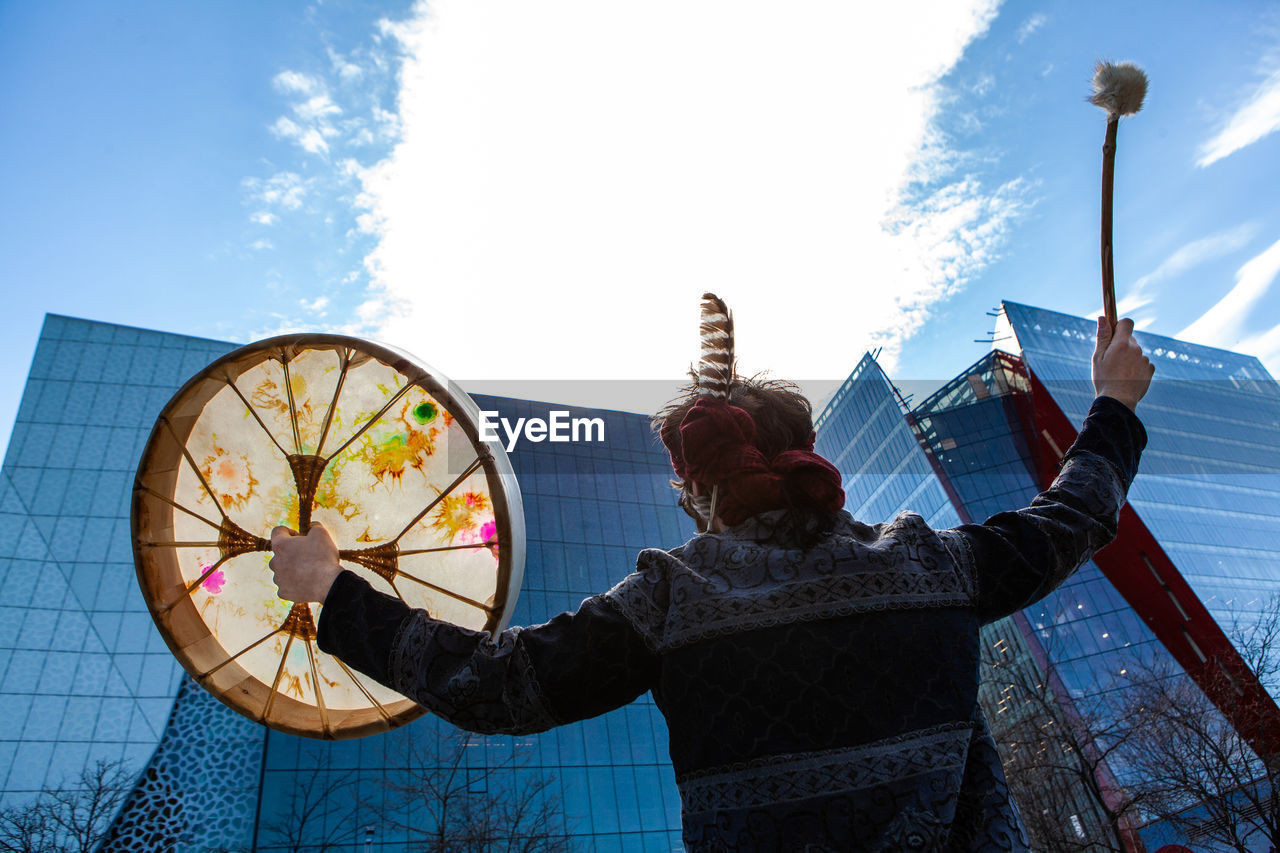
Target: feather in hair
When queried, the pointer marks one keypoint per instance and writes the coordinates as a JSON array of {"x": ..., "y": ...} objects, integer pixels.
[{"x": 715, "y": 365}]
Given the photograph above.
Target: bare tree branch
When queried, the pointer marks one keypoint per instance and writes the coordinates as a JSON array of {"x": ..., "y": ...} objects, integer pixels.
[
  {"x": 1198, "y": 774},
  {"x": 72, "y": 818},
  {"x": 27, "y": 829},
  {"x": 443, "y": 802},
  {"x": 1056, "y": 753},
  {"x": 320, "y": 811}
]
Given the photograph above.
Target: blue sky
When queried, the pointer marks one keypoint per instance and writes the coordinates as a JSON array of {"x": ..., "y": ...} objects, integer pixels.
[{"x": 517, "y": 190}]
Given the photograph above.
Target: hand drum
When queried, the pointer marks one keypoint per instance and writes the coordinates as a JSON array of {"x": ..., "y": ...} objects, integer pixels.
[{"x": 371, "y": 443}]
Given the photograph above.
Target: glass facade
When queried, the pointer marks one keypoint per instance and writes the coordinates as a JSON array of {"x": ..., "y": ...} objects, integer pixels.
[
  {"x": 976, "y": 427},
  {"x": 1209, "y": 485},
  {"x": 589, "y": 508},
  {"x": 84, "y": 675},
  {"x": 974, "y": 433},
  {"x": 1066, "y": 659},
  {"x": 966, "y": 425},
  {"x": 863, "y": 432},
  {"x": 1077, "y": 649},
  {"x": 1208, "y": 492}
]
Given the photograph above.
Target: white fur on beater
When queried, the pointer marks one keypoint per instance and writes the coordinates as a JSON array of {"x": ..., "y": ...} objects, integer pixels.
[{"x": 1118, "y": 88}]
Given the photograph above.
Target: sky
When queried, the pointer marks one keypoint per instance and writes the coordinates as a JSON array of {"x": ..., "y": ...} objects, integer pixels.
[{"x": 531, "y": 196}]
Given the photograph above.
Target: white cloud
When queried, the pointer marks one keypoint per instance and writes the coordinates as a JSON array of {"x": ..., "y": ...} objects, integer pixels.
[
  {"x": 388, "y": 123},
  {"x": 945, "y": 239},
  {"x": 314, "y": 111},
  {"x": 558, "y": 202},
  {"x": 1258, "y": 117},
  {"x": 260, "y": 245},
  {"x": 309, "y": 138},
  {"x": 316, "y": 108},
  {"x": 329, "y": 110},
  {"x": 1223, "y": 324},
  {"x": 283, "y": 189},
  {"x": 315, "y": 305},
  {"x": 295, "y": 82},
  {"x": 1029, "y": 26},
  {"x": 280, "y": 324},
  {"x": 1143, "y": 291},
  {"x": 313, "y": 141},
  {"x": 1266, "y": 346},
  {"x": 343, "y": 67},
  {"x": 286, "y": 127}
]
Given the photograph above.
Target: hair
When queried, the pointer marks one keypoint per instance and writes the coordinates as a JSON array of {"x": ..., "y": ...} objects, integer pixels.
[{"x": 783, "y": 417}]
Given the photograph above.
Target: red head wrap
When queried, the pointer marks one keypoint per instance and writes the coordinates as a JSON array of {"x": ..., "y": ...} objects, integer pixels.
[{"x": 715, "y": 445}]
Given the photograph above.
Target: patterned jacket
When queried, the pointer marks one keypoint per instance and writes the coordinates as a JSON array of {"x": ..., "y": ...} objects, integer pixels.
[{"x": 819, "y": 696}]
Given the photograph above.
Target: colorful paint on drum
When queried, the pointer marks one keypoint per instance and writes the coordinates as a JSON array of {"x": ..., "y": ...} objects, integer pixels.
[{"x": 344, "y": 439}]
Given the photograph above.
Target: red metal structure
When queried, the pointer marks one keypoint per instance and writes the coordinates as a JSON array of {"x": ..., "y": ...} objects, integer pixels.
[
  {"x": 1140, "y": 571},
  {"x": 1148, "y": 580}
]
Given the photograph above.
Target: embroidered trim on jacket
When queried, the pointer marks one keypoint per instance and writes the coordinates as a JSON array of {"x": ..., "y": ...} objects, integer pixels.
[
  {"x": 782, "y": 778},
  {"x": 805, "y": 601},
  {"x": 722, "y": 584},
  {"x": 522, "y": 709}
]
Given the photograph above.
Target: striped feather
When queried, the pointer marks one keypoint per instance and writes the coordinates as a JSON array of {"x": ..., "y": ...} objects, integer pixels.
[{"x": 715, "y": 365}]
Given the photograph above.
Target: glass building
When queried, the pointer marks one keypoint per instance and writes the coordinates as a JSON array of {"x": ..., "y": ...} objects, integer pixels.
[
  {"x": 976, "y": 429},
  {"x": 893, "y": 460},
  {"x": 1209, "y": 487},
  {"x": 1058, "y": 662},
  {"x": 863, "y": 433},
  {"x": 962, "y": 455},
  {"x": 1196, "y": 546},
  {"x": 85, "y": 676},
  {"x": 1206, "y": 501}
]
